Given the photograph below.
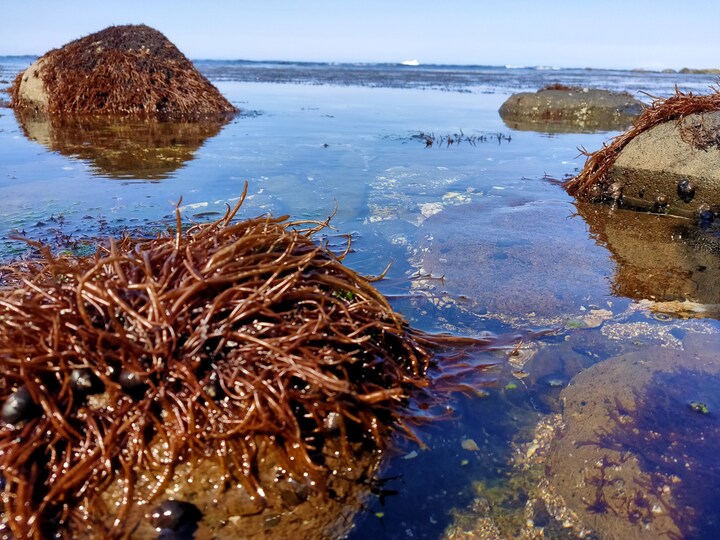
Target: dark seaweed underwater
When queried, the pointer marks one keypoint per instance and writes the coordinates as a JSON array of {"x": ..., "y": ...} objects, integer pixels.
[{"x": 482, "y": 241}]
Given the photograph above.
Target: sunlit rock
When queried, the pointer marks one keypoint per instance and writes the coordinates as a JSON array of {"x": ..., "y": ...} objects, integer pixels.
[
  {"x": 667, "y": 161},
  {"x": 565, "y": 109},
  {"x": 122, "y": 70}
]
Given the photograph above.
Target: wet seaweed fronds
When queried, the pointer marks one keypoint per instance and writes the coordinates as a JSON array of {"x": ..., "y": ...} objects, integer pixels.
[
  {"x": 127, "y": 70},
  {"x": 559, "y": 86},
  {"x": 455, "y": 139},
  {"x": 205, "y": 343},
  {"x": 675, "y": 107}
]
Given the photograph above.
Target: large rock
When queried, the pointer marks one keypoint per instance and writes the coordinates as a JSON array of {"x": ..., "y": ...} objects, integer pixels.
[
  {"x": 673, "y": 165},
  {"x": 571, "y": 110},
  {"x": 122, "y": 70},
  {"x": 636, "y": 453}
]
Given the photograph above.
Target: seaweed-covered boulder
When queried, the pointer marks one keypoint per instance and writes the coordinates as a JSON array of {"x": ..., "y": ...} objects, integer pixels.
[
  {"x": 239, "y": 352},
  {"x": 560, "y": 108},
  {"x": 667, "y": 162},
  {"x": 122, "y": 70},
  {"x": 673, "y": 162}
]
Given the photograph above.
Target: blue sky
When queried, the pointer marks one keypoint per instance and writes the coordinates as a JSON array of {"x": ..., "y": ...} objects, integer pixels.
[{"x": 580, "y": 33}]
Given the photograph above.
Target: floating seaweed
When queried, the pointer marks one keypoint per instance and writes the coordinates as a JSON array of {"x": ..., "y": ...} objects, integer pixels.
[
  {"x": 207, "y": 343},
  {"x": 447, "y": 140}
]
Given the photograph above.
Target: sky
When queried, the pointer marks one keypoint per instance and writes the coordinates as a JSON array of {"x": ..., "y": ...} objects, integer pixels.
[{"x": 581, "y": 33}]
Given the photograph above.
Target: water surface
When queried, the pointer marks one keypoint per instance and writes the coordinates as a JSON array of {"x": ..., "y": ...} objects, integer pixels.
[{"x": 480, "y": 238}]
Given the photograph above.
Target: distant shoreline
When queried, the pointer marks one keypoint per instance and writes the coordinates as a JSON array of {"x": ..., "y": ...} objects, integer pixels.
[{"x": 420, "y": 65}]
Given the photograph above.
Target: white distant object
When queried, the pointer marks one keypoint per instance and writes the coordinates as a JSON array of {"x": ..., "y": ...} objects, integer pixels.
[{"x": 410, "y": 63}]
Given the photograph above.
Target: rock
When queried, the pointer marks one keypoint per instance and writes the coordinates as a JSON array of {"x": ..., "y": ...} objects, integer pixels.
[
  {"x": 292, "y": 506},
  {"x": 558, "y": 109},
  {"x": 700, "y": 71},
  {"x": 632, "y": 458},
  {"x": 122, "y": 70},
  {"x": 31, "y": 90},
  {"x": 672, "y": 165}
]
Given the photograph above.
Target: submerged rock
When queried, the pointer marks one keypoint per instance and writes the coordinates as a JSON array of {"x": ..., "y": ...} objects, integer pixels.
[
  {"x": 633, "y": 458},
  {"x": 564, "y": 109},
  {"x": 508, "y": 266},
  {"x": 122, "y": 70}
]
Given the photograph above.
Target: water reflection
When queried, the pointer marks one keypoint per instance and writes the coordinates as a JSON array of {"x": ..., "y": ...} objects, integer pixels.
[
  {"x": 552, "y": 127},
  {"x": 121, "y": 147},
  {"x": 658, "y": 258}
]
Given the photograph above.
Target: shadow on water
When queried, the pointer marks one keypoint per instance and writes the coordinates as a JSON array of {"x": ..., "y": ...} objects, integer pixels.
[{"x": 128, "y": 149}]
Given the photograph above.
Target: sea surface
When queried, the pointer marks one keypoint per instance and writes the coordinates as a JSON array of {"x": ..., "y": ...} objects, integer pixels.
[{"x": 482, "y": 240}]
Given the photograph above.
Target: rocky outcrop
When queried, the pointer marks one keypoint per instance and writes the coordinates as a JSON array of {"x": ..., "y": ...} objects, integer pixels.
[
  {"x": 667, "y": 162},
  {"x": 122, "y": 70},
  {"x": 672, "y": 166},
  {"x": 561, "y": 108}
]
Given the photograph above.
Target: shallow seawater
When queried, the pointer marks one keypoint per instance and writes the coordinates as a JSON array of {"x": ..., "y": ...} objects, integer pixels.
[{"x": 481, "y": 239}]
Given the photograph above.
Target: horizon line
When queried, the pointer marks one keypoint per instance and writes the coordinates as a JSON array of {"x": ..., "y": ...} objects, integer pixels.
[{"x": 420, "y": 64}]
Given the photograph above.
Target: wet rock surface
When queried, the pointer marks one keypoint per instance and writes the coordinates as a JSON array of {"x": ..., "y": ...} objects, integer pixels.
[
  {"x": 207, "y": 505},
  {"x": 632, "y": 456},
  {"x": 564, "y": 109},
  {"x": 672, "y": 167}
]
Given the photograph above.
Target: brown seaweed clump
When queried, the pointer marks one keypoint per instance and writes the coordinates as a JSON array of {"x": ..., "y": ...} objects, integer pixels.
[
  {"x": 208, "y": 343},
  {"x": 592, "y": 179},
  {"x": 121, "y": 70}
]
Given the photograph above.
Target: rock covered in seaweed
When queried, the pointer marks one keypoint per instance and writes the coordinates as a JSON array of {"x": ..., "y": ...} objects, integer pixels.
[
  {"x": 667, "y": 161},
  {"x": 122, "y": 70},
  {"x": 566, "y": 109},
  {"x": 240, "y": 352},
  {"x": 673, "y": 162}
]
